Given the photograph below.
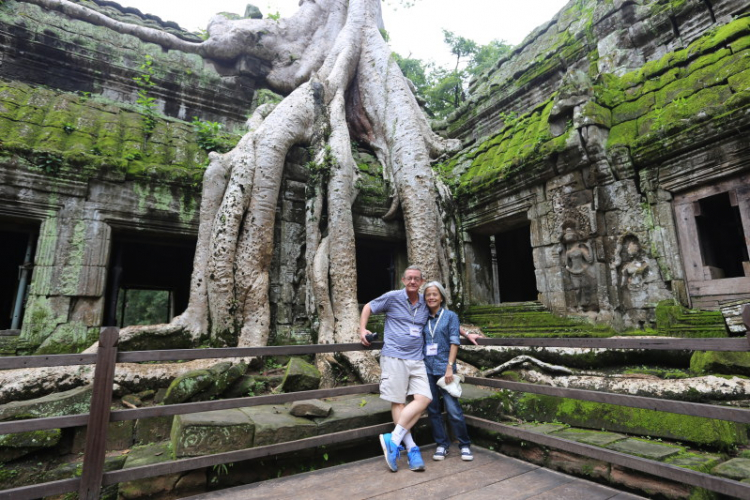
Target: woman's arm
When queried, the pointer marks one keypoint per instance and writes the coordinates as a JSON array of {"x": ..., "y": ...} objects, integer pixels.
[
  {"x": 451, "y": 359},
  {"x": 471, "y": 337}
]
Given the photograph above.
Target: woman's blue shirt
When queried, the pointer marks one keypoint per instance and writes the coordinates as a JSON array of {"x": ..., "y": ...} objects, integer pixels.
[{"x": 445, "y": 335}]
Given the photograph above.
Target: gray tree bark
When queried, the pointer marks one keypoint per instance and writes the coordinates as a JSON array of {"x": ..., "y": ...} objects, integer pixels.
[{"x": 332, "y": 61}]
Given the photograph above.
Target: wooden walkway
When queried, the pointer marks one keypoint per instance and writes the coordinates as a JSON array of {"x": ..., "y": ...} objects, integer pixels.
[{"x": 490, "y": 476}]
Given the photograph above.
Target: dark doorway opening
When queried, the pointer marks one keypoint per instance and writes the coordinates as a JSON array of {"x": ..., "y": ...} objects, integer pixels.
[
  {"x": 149, "y": 278},
  {"x": 16, "y": 264},
  {"x": 722, "y": 240},
  {"x": 376, "y": 267},
  {"x": 515, "y": 264}
]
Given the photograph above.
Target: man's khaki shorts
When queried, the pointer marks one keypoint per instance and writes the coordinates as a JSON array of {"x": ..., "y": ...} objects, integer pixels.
[{"x": 402, "y": 377}]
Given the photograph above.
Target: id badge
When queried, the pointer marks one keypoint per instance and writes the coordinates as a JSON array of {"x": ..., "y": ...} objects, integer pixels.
[
  {"x": 432, "y": 349},
  {"x": 415, "y": 331}
]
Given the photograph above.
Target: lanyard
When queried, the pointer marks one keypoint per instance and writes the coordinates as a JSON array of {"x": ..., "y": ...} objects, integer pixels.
[
  {"x": 413, "y": 307},
  {"x": 432, "y": 328}
]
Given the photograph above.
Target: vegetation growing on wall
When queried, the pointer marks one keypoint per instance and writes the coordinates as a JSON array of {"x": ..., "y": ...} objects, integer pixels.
[
  {"x": 649, "y": 112},
  {"x": 108, "y": 139}
]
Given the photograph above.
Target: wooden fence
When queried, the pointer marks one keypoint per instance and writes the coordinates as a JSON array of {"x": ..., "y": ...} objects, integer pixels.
[{"x": 100, "y": 415}]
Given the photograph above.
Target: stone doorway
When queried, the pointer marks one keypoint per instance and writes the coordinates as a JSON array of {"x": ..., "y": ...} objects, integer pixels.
[
  {"x": 16, "y": 265},
  {"x": 515, "y": 265},
  {"x": 713, "y": 226},
  {"x": 379, "y": 266},
  {"x": 721, "y": 237},
  {"x": 148, "y": 280}
]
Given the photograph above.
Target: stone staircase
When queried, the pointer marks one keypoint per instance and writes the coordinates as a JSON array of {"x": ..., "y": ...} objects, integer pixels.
[{"x": 529, "y": 319}]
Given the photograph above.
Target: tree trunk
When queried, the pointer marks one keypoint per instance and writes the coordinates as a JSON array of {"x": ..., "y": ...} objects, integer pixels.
[{"x": 338, "y": 72}]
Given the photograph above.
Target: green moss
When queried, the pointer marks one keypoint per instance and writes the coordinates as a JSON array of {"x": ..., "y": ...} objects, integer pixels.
[
  {"x": 623, "y": 134},
  {"x": 673, "y": 320},
  {"x": 628, "y": 111},
  {"x": 713, "y": 362},
  {"x": 93, "y": 136},
  {"x": 697, "y": 430},
  {"x": 530, "y": 319},
  {"x": 722, "y": 35},
  {"x": 31, "y": 439}
]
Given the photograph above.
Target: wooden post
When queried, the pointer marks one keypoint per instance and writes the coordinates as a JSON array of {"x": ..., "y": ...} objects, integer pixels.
[{"x": 101, "y": 400}]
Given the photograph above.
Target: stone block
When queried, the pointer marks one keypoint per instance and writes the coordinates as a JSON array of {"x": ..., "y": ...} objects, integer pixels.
[
  {"x": 166, "y": 486},
  {"x": 300, "y": 376},
  {"x": 211, "y": 432},
  {"x": 701, "y": 462},
  {"x": 736, "y": 468},
  {"x": 650, "y": 485},
  {"x": 119, "y": 436},
  {"x": 274, "y": 424},
  {"x": 730, "y": 363},
  {"x": 542, "y": 428},
  {"x": 188, "y": 385},
  {"x": 350, "y": 412},
  {"x": 310, "y": 408},
  {"x": 22, "y": 473},
  {"x": 152, "y": 430},
  {"x": 577, "y": 465},
  {"x": 72, "y": 402},
  {"x": 646, "y": 449},
  {"x": 225, "y": 374}
]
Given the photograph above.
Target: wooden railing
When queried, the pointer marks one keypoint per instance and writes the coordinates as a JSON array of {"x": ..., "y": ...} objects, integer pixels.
[
  {"x": 105, "y": 360},
  {"x": 93, "y": 476}
]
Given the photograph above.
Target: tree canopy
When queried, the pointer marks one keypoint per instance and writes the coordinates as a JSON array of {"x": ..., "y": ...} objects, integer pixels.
[{"x": 442, "y": 90}]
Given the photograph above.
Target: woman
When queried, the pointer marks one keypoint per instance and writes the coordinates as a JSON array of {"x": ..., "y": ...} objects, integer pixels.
[{"x": 441, "y": 334}]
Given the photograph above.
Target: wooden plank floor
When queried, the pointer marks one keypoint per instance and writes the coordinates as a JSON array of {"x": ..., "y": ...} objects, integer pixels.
[{"x": 490, "y": 476}]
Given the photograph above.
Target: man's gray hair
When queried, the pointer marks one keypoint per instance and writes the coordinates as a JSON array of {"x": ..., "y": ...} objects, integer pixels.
[
  {"x": 440, "y": 290},
  {"x": 414, "y": 267}
]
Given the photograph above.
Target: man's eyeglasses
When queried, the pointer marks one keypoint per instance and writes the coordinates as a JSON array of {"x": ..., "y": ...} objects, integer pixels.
[{"x": 412, "y": 278}]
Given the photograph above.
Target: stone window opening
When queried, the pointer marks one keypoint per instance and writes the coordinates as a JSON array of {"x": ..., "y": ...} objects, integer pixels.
[
  {"x": 16, "y": 268},
  {"x": 143, "y": 306},
  {"x": 148, "y": 279},
  {"x": 721, "y": 237}
]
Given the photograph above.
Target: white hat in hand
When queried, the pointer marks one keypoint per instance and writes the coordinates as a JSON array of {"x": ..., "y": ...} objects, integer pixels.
[{"x": 454, "y": 388}]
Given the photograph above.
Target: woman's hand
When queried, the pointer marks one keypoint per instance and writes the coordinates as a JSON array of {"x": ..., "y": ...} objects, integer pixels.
[{"x": 448, "y": 375}]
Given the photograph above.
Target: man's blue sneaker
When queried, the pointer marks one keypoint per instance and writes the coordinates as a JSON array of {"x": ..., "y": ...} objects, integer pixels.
[
  {"x": 415, "y": 459},
  {"x": 390, "y": 451}
]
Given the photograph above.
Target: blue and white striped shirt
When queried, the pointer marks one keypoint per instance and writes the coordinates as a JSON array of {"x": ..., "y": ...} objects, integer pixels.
[{"x": 401, "y": 320}]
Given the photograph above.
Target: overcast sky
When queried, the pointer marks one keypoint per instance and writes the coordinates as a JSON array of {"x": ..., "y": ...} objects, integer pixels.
[{"x": 415, "y": 31}]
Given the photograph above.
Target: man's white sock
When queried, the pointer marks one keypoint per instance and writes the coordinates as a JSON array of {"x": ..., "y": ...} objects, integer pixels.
[
  {"x": 409, "y": 441},
  {"x": 398, "y": 434}
]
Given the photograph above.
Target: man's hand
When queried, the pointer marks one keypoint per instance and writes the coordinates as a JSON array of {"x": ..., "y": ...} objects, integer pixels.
[{"x": 362, "y": 333}]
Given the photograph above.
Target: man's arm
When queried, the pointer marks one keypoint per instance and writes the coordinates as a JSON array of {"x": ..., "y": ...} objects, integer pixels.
[
  {"x": 472, "y": 337},
  {"x": 363, "y": 319}
]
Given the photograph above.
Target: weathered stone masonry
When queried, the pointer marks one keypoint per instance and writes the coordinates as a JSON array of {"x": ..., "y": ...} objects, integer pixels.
[
  {"x": 600, "y": 150},
  {"x": 602, "y": 132}
]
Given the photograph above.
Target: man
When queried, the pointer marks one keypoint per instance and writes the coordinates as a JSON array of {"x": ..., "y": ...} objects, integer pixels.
[{"x": 402, "y": 366}]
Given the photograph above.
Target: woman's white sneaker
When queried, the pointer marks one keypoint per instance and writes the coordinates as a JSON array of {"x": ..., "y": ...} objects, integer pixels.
[{"x": 440, "y": 453}]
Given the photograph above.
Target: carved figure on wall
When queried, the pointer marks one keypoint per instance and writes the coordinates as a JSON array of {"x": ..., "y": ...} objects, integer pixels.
[
  {"x": 632, "y": 266},
  {"x": 578, "y": 259},
  {"x": 632, "y": 273}
]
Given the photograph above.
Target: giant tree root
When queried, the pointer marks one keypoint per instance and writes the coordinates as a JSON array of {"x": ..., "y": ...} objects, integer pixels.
[
  {"x": 524, "y": 360},
  {"x": 709, "y": 387}
]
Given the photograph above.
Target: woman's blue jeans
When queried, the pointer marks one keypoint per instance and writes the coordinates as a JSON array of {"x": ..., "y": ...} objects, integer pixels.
[{"x": 455, "y": 416}]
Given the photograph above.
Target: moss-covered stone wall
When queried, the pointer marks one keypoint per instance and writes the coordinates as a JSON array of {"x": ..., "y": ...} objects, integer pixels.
[{"x": 587, "y": 130}]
